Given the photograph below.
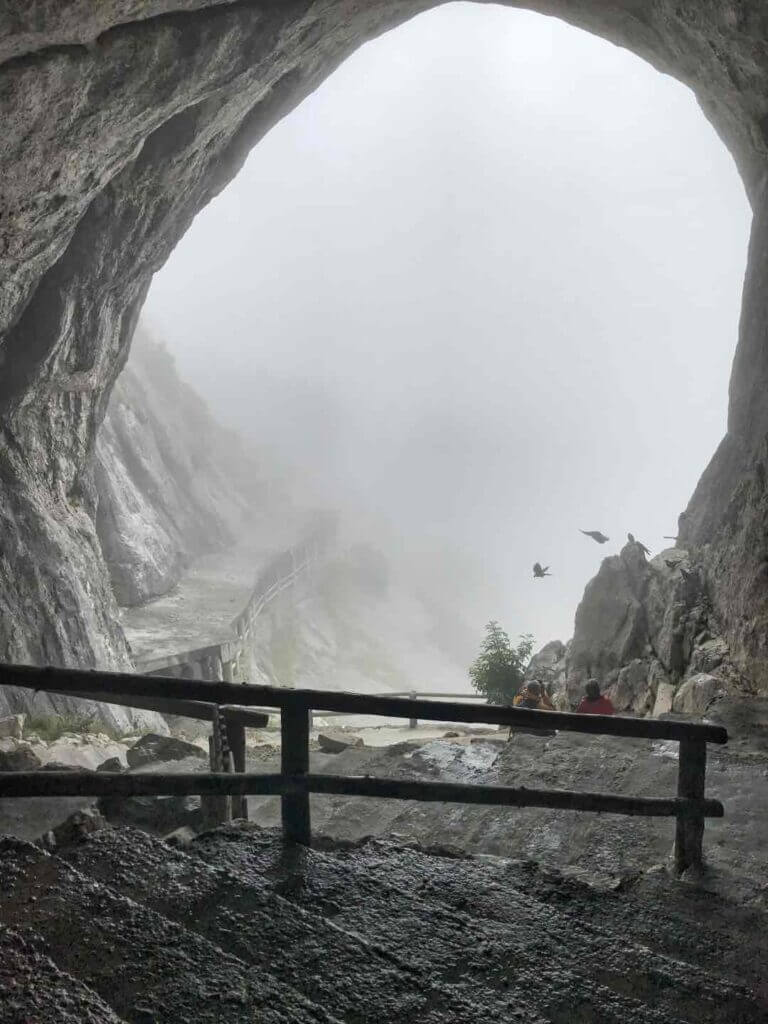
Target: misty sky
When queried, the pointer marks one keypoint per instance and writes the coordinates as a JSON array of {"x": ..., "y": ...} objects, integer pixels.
[{"x": 481, "y": 289}]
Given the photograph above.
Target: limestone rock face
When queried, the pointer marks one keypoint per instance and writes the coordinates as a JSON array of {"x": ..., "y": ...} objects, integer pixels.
[
  {"x": 171, "y": 482},
  {"x": 548, "y": 665},
  {"x": 697, "y": 693},
  {"x": 642, "y": 627},
  {"x": 120, "y": 121}
]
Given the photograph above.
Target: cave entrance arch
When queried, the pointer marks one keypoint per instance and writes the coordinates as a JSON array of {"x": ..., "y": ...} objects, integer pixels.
[
  {"x": 102, "y": 181},
  {"x": 425, "y": 211}
]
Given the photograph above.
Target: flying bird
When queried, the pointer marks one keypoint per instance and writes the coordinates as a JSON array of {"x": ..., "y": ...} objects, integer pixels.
[
  {"x": 538, "y": 572},
  {"x": 667, "y": 537},
  {"x": 643, "y": 548},
  {"x": 595, "y": 535},
  {"x": 687, "y": 576},
  {"x": 672, "y": 565}
]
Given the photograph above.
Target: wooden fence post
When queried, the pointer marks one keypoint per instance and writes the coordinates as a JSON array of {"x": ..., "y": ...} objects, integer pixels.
[
  {"x": 689, "y": 832},
  {"x": 294, "y": 758},
  {"x": 236, "y": 737},
  {"x": 413, "y": 722},
  {"x": 217, "y": 809}
]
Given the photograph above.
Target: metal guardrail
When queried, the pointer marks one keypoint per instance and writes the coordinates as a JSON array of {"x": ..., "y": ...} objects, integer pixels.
[{"x": 294, "y": 783}]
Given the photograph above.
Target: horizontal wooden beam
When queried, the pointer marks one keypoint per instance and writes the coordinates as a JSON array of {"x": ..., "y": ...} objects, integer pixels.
[
  {"x": 101, "y": 684},
  {"x": 41, "y": 783}
]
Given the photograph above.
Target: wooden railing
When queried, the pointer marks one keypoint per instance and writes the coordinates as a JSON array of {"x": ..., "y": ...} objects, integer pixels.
[{"x": 295, "y": 782}]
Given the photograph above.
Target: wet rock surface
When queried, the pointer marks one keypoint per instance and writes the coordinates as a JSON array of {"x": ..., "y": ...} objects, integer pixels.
[
  {"x": 151, "y": 748},
  {"x": 141, "y": 964},
  {"x": 240, "y": 924},
  {"x": 335, "y": 742},
  {"x": 34, "y": 990},
  {"x": 597, "y": 846}
]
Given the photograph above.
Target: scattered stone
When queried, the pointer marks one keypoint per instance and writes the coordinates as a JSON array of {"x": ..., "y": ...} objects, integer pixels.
[
  {"x": 20, "y": 758},
  {"x": 12, "y": 726},
  {"x": 180, "y": 837},
  {"x": 161, "y": 748},
  {"x": 112, "y": 764},
  {"x": 74, "y": 830},
  {"x": 452, "y": 734},
  {"x": 335, "y": 742}
]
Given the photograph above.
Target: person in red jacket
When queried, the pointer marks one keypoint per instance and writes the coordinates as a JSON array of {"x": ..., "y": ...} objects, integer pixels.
[{"x": 595, "y": 703}]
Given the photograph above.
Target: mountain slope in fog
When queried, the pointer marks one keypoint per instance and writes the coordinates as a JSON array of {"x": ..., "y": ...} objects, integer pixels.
[
  {"x": 172, "y": 482},
  {"x": 356, "y": 623}
]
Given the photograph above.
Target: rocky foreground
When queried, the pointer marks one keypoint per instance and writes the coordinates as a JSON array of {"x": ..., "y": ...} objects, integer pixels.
[{"x": 239, "y": 927}]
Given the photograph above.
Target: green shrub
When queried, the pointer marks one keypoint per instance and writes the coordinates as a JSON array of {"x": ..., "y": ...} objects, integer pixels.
[{"x": 498, "y": 670}]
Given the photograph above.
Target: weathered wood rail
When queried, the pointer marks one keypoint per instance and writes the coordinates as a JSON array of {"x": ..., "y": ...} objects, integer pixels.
[{"x": 295, "y": 783}]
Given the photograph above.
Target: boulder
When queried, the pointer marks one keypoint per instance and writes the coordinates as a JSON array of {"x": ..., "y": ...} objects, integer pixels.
[
  {"x": 335, "y": 742},
  {"x": 112, "y": 764},
  {"x": 697, "y": 693},
  {"x": 74, "y": 830},
  {"x": 12, "y": 727},
  {"x": 180, "y": 837},
  {"x": 19, "y": 758},
  {"x": 59, "y": 766},
  {"x": 156, "y": 814},
  {"x": 152, "y": 748}
]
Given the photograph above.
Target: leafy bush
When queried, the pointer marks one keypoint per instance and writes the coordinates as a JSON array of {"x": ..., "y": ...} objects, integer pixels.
[{"x": 498, "y": 670}]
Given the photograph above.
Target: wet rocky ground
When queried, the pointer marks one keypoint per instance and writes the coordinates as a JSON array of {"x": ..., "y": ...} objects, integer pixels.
[
  {"x": 453, "y": 913},
  {"x": 239, "y": 927}
]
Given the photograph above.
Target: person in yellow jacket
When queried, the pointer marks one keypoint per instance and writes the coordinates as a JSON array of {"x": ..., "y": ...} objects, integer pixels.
[{"x": 533, "y": 696}]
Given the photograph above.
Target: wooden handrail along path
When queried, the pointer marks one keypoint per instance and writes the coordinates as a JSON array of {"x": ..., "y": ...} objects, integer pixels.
[{"x": 234, "y": 703}]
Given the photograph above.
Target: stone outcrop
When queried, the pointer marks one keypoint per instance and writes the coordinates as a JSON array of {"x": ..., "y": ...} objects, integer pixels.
[
  {"x": 643, "y": 628},
  {"x": 120, "y": 122}
]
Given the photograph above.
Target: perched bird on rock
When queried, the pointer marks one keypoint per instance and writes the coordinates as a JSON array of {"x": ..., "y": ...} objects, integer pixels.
[
  {"x": 643, "y": 548},
  {"x": 595, "y": 535},
  {"x": 538, "y": 572}
]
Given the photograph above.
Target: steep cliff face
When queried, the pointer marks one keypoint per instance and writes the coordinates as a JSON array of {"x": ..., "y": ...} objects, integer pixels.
[
  {"x": 121, "y": 120},
  {"x": 172, "y": 484}
]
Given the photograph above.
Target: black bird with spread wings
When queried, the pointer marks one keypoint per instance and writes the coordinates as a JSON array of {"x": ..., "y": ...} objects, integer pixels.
[
  {"x": 672, "y": 565},
  {"x": 643, "y": 548},
  {"x": 539, "y": 572},
  {"x": 595, "y": 535}
]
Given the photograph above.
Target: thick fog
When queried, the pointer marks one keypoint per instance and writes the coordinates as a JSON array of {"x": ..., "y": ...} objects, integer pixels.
[{"x": 480, "y": 290}]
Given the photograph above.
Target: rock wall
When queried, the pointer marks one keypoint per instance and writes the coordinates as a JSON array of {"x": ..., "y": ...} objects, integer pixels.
[
  {"x": 121, "y": 121},
  {"x": 171, "y": 482}
]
